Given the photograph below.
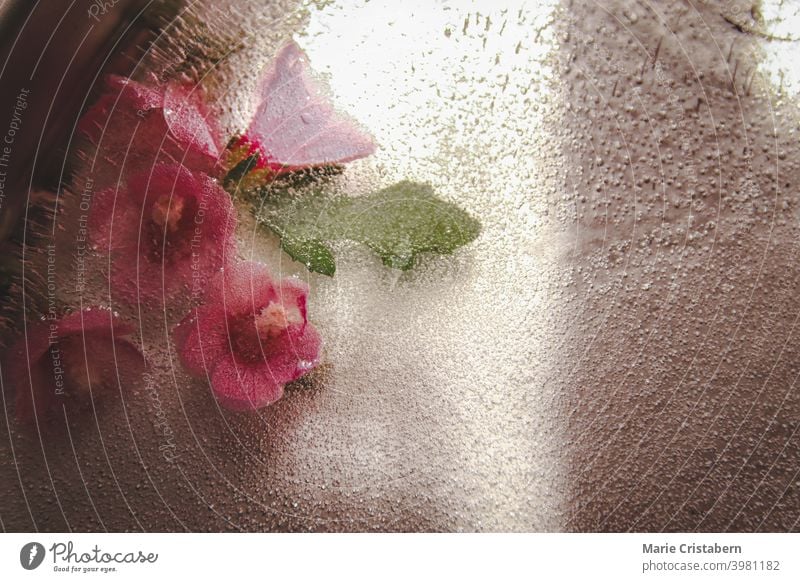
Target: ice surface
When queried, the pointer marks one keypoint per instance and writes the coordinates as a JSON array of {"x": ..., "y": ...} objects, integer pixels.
[{"x": 615, "y": 351}]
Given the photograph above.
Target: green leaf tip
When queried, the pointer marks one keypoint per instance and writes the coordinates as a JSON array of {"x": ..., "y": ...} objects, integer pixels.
[{"x": 314, "y": 254}]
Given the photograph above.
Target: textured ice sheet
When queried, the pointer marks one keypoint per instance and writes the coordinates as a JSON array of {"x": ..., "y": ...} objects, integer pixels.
[
  {"x": 615, "y": 351},
  {"x": 683, "y": 167}
]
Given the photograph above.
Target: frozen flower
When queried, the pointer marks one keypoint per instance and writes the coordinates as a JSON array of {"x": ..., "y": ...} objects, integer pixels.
[
  {"x": 67, "y": 361},
  {"x": 295, "y": 125},
  {"x": 136, "y": 125},
  {"x": 167, "y": 231},
  {"x": 251, "y": 336}
]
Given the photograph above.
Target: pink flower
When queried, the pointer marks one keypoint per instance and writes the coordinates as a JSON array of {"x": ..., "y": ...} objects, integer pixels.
[
  {"x": 168, "y": 231},
  {"x": 250, "y": 338},
  {"x": 68, "y": 361},
  {"x": 135, "y": 125},
  {"x": 295, "y": 125}
]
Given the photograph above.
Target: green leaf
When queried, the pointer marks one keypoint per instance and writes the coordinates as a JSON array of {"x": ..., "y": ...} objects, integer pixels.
[
  {"x": 398, "y": 223},
  {"x": 312, "y": 253}
]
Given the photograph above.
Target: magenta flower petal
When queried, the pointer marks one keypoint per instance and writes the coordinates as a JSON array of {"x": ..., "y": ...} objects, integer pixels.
[
  {"x": 252, "y": 336},
  {"x": 169, "y": 231},
  {"x": 64, "y": 361},
  {"x": 203, "y": 340},
  {"x": 143, "y": 97},
  {"x": 135, "y": 126},
  {"x": 188, "y": 120},
  {"x": 96, "y": 320},
  {"x": 293, "y": 291},
  {"x": 295, "y": 123},
  {"x": 243, "y": 286},
  {"x": 298, "y": 353},
  {"x": 241, "y": 387}
]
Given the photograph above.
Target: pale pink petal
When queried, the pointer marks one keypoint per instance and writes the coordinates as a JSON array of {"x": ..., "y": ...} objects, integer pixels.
[{"x": 295, "y": 123}]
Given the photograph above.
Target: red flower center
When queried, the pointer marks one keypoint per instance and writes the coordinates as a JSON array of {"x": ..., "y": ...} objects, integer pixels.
[
  {"x": 168, "y": 212},
  {"x": 253, "y": 335}
]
